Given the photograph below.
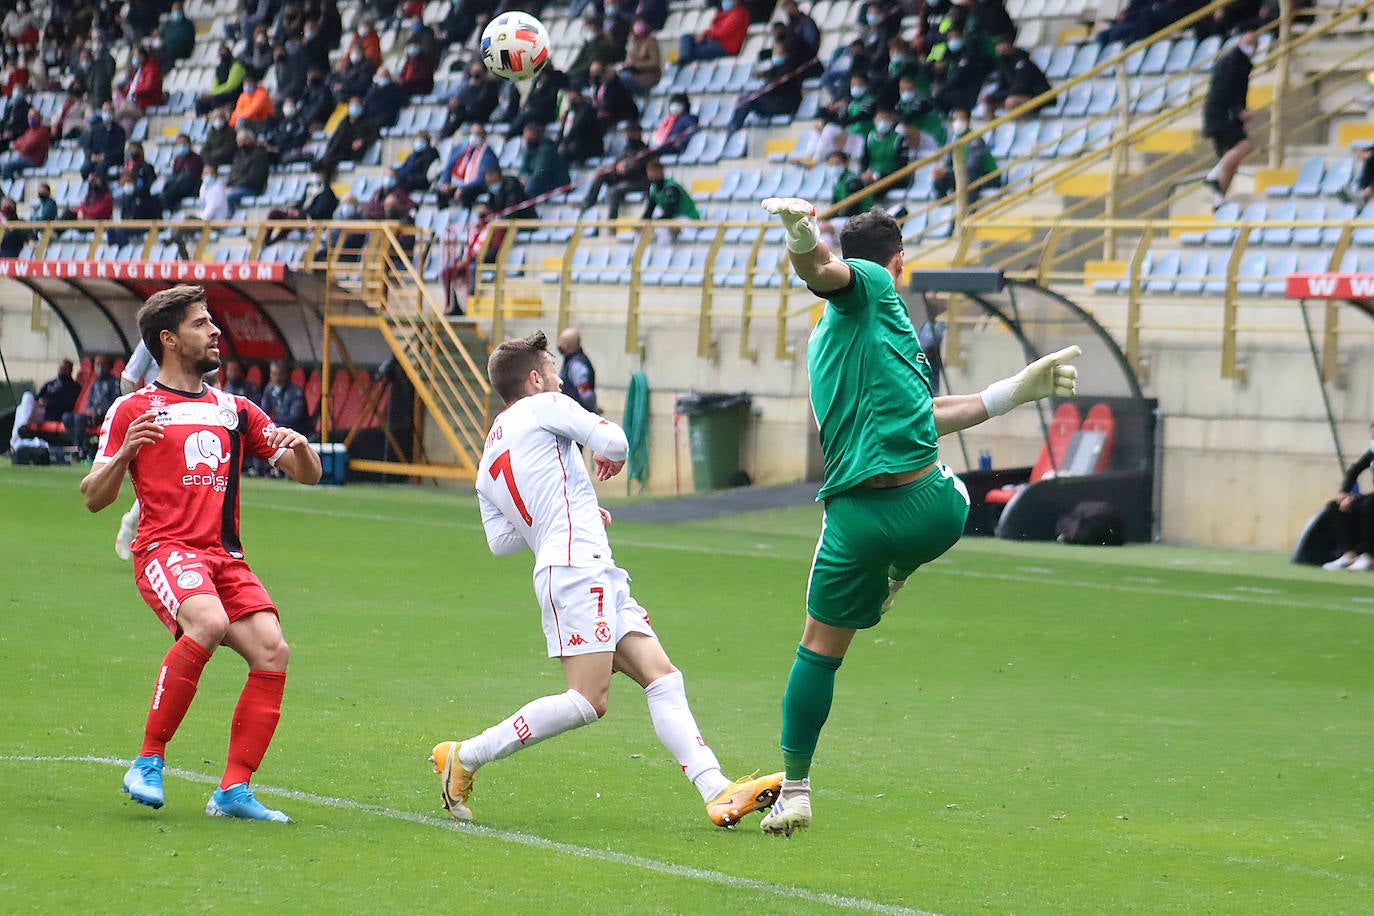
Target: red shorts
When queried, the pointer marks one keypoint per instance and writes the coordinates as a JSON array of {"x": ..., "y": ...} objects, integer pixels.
[{"x": 170, "y": 574}]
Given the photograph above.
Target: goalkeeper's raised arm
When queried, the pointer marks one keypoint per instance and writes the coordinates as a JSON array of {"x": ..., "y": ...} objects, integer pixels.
[{"x": 812, "y": 259}]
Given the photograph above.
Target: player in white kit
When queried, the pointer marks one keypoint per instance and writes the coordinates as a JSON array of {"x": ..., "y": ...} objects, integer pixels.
[
  {"x": 140, "y": 371},
  {"x": 535, "y": 493}
]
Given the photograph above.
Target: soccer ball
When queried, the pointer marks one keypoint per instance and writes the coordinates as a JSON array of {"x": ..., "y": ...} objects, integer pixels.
[{"x": 515, "y": 46}]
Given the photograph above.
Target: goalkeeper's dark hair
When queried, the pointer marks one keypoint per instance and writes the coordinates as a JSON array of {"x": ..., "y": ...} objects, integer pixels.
[
  {"x": 873, "y": 236},
  {"x": 165, "y": 311},
  {"x": 512, "y": 362}
]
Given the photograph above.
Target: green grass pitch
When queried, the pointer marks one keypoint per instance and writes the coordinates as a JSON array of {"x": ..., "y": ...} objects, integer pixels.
[{"x": 1034, "y": 728}]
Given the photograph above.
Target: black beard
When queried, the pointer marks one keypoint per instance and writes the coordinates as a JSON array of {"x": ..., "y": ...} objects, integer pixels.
[{"x": 206, "y": 364}]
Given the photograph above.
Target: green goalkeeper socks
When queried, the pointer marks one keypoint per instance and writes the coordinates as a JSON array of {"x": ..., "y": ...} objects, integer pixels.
[{"x": 805, "y": 707}]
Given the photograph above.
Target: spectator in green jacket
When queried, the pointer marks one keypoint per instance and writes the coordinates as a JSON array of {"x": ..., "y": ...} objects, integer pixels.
[
  {"x": 885, "y": 149},
  {"x": 666, "y": 200},
  {"x": 178, "y": 36},
  {"x": 229, "y": 74},
  {"x": 542, "y": 168}
]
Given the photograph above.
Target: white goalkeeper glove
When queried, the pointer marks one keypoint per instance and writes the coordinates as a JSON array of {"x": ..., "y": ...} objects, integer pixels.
[
  {"x": 799, "y": 218},
  {"x": 1048, "y": 376}
]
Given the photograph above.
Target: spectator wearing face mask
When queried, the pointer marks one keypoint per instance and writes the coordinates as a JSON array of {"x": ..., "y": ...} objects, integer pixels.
[
  {"x": 413, "y": 174},
  {"x": 383, "y": 103},
  {"x": 465, "y": 172},
  {"x": 475, "y": 100},
  {"x": 253, "y": 107},
  {"x": 978, "y": 163},
  {"x": 221, "y": 141},
  {"x": 290, "y": 67},
  {"x": 626, "y": 176},
  {"x": 144, "y": 87},
  {"x": 259, "y": 56},
  {"x": 417, "y": 70},
  {"x": 16, "y": 117},
  {"x": 677, "y": 126},
  {"x": 723, "y": 37},
  {"x": 885, "y": 150},
  {"x": 778, "y": 83},
  {"x": 352, "y": 139},
  {"x": 643, "y": 67},
  {"x": 599, "y": 47},
  {"x": 249, "y": 171},
  {"x": 846, "y": 122},
  {"x": 317, "y": 101},
  {"x": 29, "y": 150},
  {"x": 353, "y": 76},
  {"x": 103, "y": 144},
  {"x": 580, "y": 135},
  {"x": 366, "y": 40},
  {"x": 214, "y": 196},
  {"x": 97, "y": 203},
  {"x": 287, "y": 135},
  {"x": 184, "y": 179},
  {"x": 541, "y": 167},
  {"x": 959, "y": 71},
  {"x": 541, "y": 102},
  {"x": 314, "y": 48},
  {"x": 178, "y": 34},
  {"x": 229, "y": 74},
  {"x": 317, "y": 203},
  {"x": 506, "y": 193},
  {"x": 44, "y": 207}
]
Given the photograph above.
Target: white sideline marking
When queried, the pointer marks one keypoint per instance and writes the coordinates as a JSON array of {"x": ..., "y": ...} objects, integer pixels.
[{"x": 521, "y": 839}]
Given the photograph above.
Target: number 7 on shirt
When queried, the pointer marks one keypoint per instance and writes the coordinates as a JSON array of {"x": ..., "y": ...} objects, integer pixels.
[{"x": 501, "y": 467}]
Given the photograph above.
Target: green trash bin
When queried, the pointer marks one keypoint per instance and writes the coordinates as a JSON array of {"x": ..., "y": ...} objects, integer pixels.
[{"x": 715, "y": 434}]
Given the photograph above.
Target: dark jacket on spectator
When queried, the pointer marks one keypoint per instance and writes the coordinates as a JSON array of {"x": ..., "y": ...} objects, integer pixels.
[
  {"x": 340, "y": 147},
  {"x": 317, "y": 103},
  {"x": 382, "y": 105},
  {"x": 220, "y": 145},
  {"x": 250, "y": 169}
]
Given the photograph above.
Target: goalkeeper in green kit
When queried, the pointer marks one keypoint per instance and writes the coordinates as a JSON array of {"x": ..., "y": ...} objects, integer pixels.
[{"x": 890, "y": 505}]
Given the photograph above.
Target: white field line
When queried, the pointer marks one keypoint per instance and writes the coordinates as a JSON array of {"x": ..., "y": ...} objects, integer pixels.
[
  {"x": 521, "y": 839},
  {"x": 944, "y": 566}
]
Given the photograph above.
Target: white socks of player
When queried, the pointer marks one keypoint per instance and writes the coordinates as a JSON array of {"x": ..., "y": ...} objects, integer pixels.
[
  {"x": 1215, "y": 174},
  {"x": 677, "y": 729},
  {"x": 531, "y": 723}
]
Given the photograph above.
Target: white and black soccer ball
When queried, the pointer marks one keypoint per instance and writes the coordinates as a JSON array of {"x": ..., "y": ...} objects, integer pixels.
[{"x": 515, "y": 46}]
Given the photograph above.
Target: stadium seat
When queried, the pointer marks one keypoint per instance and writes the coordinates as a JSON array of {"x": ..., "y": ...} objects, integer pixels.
[
  {"x": 1253, "y": 264},
  {"x": 1161, "y": 272},
  {"x": 1307, "y": 183},
  {"x": 1337, "y": 177},
  {"x": 1310, "y": 236},
  {"x": 1280, "y": 265},
  {"x": 1363, "y": 236},
  {"x": 1065, "y": 422},
  {"x": 1277, "y": 235}
]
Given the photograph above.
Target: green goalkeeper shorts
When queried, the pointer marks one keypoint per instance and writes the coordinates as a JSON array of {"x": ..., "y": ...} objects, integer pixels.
[{"x": 866, "y": 532}]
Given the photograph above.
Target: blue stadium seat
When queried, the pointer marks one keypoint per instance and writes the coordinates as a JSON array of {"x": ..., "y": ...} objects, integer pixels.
[
  {"x": 1047, "y": 141},
  {"x": 1364, "y": 236},
  {"x": 617, "y": 266},
  {"x": 1309, "y": 179},
  {"x": 1084, "y": 59},
  {"x": 1344, "y": 213},
  {"x": 1278, "y": 235},
  {"x": 723, "y": 264},
  {"x": 748, "y": 186},
  {"x": 1253, "y": 264},
  {"x": 728, "y": 184},
  {"x": 1311, "y": 236},
  {"x": 1060, "y": 63},
  {"x": 1162, "y": 272},
  {"x": 736, "y": 145},
  {"x": 1206, "y": 52},
  {"x": 587, "y": 261},
  {"x": 1337, "y": 177},
  {"x": 1155, "y": 59},
  {"x": 1317, "y": 262},
  {"x": 1194, "y": 269},
  {"x": 695, "y": 273},
  {"x": 1181, "y": 55},
  {"x": 1024, "y": 140},
  {"x": 1280, "y": 265}
]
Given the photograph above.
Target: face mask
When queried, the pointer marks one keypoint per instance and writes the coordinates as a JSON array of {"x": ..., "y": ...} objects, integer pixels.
[
  {"x": 412, "y": 50},
  {"x": 1248, "y": 49},
  {"x": 315, "y": 187},
  {"x": 19, "y": 94},
  {"x": 107, "y": 116},
  {"x": 908, "y": 96},
  {"x": 640, "y": 28},
  {"x": 612, "y": 9},
  {"x": 309, "y": 35},
  {"x": 833, "y": 171},
  {"x": 677, "y": 108},
  {"x": 346, "y": 212},
  {"x": 218, "y": 123},
  {"x": 1371, "y": 445},
  {"x": 778, "y": 60},
  {"x": 419, "y": 145},
  {"x": 960, "y": 126},
  {"x": 34, "y": 122},
  {"x": 355, "y": 110},
  {"x": 476, "y": 139},
  {"x": 874, "y": 18},
  {"x": 183, "y": 150},
  {"x": 883, "y": 127},
  {"x": 956, "y": 44},
  {"x": 178, "y": 15},
  {"x": 493, "y": 188},
  {"x": 857, "y": 89},
  {"x": 250, "y": 88},
  {"x": 727, "y": 5},
  {"x": 356, "y": 57},
  {"x": 288, "y": 111},
  {"x": 383, "y": 81}
]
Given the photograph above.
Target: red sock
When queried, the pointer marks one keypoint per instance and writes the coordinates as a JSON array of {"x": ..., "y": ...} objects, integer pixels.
[
  {"x": 255, "y": 720},
  {"x": 176, "y": 688}
]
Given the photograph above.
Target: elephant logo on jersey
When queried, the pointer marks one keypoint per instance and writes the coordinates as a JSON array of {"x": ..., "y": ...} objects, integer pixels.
[{"x": 204, "y": 447}]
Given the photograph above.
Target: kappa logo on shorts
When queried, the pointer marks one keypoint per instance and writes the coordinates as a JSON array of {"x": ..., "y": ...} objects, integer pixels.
[
  {"x": 576, "y": 640},
  {"x": 157, "y": 579}
]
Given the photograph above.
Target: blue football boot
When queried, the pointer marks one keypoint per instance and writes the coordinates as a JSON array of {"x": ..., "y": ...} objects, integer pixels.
[
  {"x": 238, "y": 801},
  {"x": 143, "y": 782}
]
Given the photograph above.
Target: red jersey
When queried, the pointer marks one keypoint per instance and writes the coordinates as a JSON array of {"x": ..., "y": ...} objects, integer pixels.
[{"x": 188, "y": 481}]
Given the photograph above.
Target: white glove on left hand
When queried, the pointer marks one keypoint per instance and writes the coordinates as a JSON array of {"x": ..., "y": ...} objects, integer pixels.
[
  {"x": 798, "y": 218},
  {"x": 1048, "y": 376}
]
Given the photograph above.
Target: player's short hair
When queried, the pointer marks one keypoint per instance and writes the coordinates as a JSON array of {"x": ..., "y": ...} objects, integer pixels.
[
  {"x": 165, "y": 311},
  {"x": 873, "y": 236},
  {"x": 512, "y": 362}
]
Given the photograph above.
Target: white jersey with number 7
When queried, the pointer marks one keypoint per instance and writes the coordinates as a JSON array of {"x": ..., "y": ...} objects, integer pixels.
[{"x": 533, "y": 487}]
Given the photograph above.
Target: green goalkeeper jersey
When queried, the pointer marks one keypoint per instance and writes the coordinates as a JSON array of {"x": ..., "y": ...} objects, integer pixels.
[{"x": 870, "y": 383}]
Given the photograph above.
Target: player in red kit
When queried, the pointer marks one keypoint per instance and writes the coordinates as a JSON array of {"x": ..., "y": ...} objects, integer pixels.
[{"x": 183, "y": 444}]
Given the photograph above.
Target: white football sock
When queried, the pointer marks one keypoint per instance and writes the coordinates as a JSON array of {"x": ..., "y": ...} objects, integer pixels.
[
  {"x": 1216, "y": 173},
  {"x": 531, "y": 723},
  {"x": 678, "y": 731}
]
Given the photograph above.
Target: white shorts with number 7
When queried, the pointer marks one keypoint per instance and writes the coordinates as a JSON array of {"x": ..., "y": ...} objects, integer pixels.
[{"x": 587, "y": 608}]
